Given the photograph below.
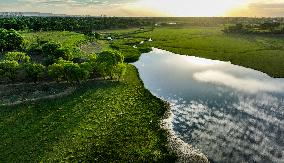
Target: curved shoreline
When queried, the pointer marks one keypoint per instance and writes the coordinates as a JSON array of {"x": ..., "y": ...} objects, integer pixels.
[{"x": 185, "y": 152}]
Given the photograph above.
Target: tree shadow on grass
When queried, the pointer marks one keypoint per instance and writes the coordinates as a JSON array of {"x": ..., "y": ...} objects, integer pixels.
[{"x": 29, "y": 131}]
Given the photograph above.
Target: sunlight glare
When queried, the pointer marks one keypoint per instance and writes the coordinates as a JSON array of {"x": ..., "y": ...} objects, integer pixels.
[{"x": 193, "y": 7}]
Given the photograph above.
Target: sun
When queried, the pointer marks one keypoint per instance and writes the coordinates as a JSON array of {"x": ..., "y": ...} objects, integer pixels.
[{"x": 192, "y": 7}]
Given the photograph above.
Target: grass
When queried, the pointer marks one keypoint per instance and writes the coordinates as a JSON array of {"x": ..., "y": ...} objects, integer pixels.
[
  {"x": 103, "y": 121},
  {"x": 263, "y": 53},
  {"x": 18, "y": 93},
  {"x": 67, "y": 39},
  {"x": 95, "y": 47}
]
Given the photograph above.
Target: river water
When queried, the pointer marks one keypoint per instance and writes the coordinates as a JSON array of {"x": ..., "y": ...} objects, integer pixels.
[{"x": 231, "y": 113}]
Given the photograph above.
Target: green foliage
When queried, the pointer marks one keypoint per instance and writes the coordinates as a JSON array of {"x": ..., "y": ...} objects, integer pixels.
[
  {"x": 107, "y": 62},
  {"x": 102, "y": 121},
  {"x": 97, "y": 35},
  {"x": 19, "y": 57},
  {"x": 34, "y": 71},
  {"x": 69, "y": 71},
  {"x": 56, "y": 71},
  {"x": 119, "y": 71},
  {"x": 54, "y": 50},
  {"x": 8, "y": 69},
  {"x": 10, "y": 40},
  {"x": 267, "y": 27},
  {"x": 261, "y": 52},
  {"x": 110, "y": 57}
]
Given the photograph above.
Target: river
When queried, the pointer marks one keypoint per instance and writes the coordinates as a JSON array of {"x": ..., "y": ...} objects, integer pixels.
[{"x": 231, "y": 113}]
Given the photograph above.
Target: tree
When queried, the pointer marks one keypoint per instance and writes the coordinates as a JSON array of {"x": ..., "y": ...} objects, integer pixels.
[
  {"x": 10, "y": 40},
  {"x": 17, "y": 56},
  {"x": 119, "y": 71},
  {"x": 8, "y": 69},
  {"x": 69, "y": 71},
  {"x": 34, "y": 71},
  {"x": 56, "y": 71},
  {"x": 55, "y": 50},
  {"x": 107, "y": 62}
]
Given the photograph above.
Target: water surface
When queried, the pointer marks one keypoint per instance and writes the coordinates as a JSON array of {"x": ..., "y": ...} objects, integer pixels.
[{"x": 231, "y": 113}]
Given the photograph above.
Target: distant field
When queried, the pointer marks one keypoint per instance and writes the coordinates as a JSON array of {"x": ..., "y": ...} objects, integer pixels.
[
  {"x": 67, "y": 39},
  {"x": 102, "y": 121},
  {"x": 264, "y": 53}
]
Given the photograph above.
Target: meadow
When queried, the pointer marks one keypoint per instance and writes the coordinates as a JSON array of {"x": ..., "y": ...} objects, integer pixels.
[
  {"x": 261, "y": 52},
  {"x": 102, "y": 121}
]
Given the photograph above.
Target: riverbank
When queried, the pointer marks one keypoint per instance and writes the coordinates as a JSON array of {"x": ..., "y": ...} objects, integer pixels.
[
  {"x": 264, "y": 53},
  {"x": 102, "y": 121}
]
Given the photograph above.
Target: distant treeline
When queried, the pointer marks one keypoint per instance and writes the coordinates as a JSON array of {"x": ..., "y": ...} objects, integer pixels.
[
  {"x": 268, "y": 27},
  {"x": 78, "y": 24},
  {"x": 87, "y": 24}
]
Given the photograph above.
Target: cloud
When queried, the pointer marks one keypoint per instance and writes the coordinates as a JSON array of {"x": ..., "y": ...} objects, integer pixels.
[
  {"x": 242, "y": 84},
  {"x": 79, "y": 2},
  {"x": 150, "y": 7}
]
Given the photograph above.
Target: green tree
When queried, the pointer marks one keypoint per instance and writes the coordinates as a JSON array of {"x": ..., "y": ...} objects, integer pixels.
[
  {"x": 17, "y": 56},
  {"x": 56, "y": 71},
  {"x": 107, "y": 61},
  {"x": 55, "y": 50},
  {"x": 34, "y": 71},
  {"x": 8, "y": 69},
  {"x": 69, "y": 71},
  {"x": 119, "y": 71},
  {"x": 10, "y": 40}
]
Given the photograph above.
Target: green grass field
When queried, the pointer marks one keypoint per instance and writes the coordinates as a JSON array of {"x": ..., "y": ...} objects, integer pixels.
[
  {"x": 67, "y": 39},
  {"x": 103, "y": 121},
  {"x": 264, "y": 53}
]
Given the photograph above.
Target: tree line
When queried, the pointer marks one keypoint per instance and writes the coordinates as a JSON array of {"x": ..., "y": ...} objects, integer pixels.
[
  {"x": 57, "y": 63},
  {"x": 78, "y": 24},
  {"x": 268, "y": 27}
]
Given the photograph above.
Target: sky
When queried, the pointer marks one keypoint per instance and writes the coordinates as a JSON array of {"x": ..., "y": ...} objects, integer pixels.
[{"x": 250, "y": 8}]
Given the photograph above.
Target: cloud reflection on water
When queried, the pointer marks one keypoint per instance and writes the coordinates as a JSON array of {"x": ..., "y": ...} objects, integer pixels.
[
  {"x": 243, "y": 84},
  {"x": 231, "y": 113}
]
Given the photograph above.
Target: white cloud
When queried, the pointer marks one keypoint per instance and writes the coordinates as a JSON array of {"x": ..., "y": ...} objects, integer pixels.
[{"x": 241, "y": 84}]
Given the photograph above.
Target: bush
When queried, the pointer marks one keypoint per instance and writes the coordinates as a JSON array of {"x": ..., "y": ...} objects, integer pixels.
[
  {"x": 10, "y": 40},
  {"x": 111, "y": 57},
  {"x": 8, "y": 69},
  {"x": 56, "y": 71},
  {"x": 69, "y": 71},
  {"x": 119, "y": 71},
  {"x": 17, "y": 56},
  {"x": 107, "y": 63},
  {"x": 54, "y": 51},
  {"x": 34, "y": 71}
]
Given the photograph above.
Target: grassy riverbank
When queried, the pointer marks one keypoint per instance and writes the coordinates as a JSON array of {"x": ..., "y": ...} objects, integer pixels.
[
  {"x": 101, "y": 121},
  {"x": 261, "y": 52}
]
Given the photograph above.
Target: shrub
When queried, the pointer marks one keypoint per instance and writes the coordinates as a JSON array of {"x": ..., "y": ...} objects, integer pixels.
[
  {"x": 10, "y": 40},
  {"x": 34, "y": 71},
  {"x": 54, "y": 51},
  {"x": 56, "y": 71},
  {"x": 17, "y": 56},
  {"x": 107, "y": 62},
  {"x": 8, "y": 69},
  {"x": 87, "y": 69},
  {"x": 69, "y": 71},
  {"x": 119, "y": 71}
]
